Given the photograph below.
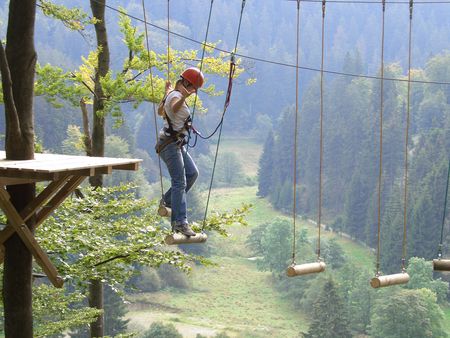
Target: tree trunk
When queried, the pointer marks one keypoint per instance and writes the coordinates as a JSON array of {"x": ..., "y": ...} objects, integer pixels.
[
  {"x": 18, "y": 69},
  {"x": 98, "y": 139},
  {"x": 17, "y": 278},
  {"x": 98, "y": 132},
  {"x": 96, "y": 301}
]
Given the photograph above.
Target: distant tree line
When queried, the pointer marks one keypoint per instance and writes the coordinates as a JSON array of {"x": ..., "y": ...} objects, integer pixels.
[{"x": 351, "y": 158}]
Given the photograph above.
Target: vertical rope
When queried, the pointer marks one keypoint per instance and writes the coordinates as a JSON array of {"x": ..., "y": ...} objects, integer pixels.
[
  {"x": 153, "y": 95},
  {"x": 294, "y": 207},
  {"x": 444, "y": 214},
  {"x": 227, "y": 102},
  {"x": 380, "y": 173},
  {"x": 168, "y": 40},
  {"x": 201, "y": 67},
  {"x": 319, "y": 221},
  {"x": 408, "y": 109}
]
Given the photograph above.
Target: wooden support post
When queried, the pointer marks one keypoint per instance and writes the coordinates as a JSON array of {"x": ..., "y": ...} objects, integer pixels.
[
  {"x": 59, "y": 197},
  {"x": 178, "y": 238},
  {"x": 305, "y": 269},
  {"x": 28, "y": 239},
  {"x": 388, "y": 280},
  {"x": 60, "y": 189},
  {"x": 441, "y": 264},
  {"x": 40, "y": 199}
]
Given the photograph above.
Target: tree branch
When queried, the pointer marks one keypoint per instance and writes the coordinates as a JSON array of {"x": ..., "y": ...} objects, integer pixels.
[
  {"x": 85, "y": 84},
  {"x": 135, "y": 77},
  {"x": 86, "y": 130},
  {"x": 111, "y": 259},
  {"x": 130, "y": 58},
  {"x": 12, "y": 118}
]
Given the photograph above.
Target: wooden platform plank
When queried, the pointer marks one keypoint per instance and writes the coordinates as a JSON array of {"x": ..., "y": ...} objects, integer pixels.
[{"x": 53, "y": 163}]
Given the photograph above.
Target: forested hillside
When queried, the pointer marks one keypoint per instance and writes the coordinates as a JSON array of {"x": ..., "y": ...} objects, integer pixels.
[
  {"x": 351, "y": 158},
  {"x": 115, "y": 235},
  {"x": 268, "y": 32}
]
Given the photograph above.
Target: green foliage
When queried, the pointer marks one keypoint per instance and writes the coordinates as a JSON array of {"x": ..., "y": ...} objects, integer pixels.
[
  {"x": 129, "y": 84},
  {"x": 217, "y": 221},
  {"x": 53, "y": 313},
  {"x": 329, "y": 317},
  {"x": 358, "y": 295},
  {"x": 98, "y": 236},
  {"x": 408, "y": 314},
  {"x": 73, "y": 144},
  {"x": 351, "y": 146},
  {"x": 333, "y": 254},
  {"x": 115, "y": 311},
  {"x": 172, "y": 278},
  {"x": 273, "y": 245},
  {"x": 221, "y": 335},
  {"x": 160, "y": 330},
  {"x": 421, "y": 272},
  {"x": 104, "y": 234},
  {"x": 57, "y": 86},
  {"x": 148, "y": 280},
  {"x": 229, "y": 170},
  {"x": 265, "y": 171},
  {"x": 74, "y": 19}
]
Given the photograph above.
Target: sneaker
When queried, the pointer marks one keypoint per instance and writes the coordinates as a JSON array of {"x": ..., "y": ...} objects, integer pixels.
[{"x": 184, "y": 228}]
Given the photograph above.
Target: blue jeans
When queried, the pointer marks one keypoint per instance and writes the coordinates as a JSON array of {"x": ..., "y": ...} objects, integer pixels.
[{"x": 183, "y": 173}]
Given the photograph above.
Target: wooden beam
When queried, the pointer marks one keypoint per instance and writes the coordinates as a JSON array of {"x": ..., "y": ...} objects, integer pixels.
[
  {"x": 5, "y": 234},
  {"x": 128, "y": 166},
  {"x": 75, "y": 172},
  {"x": 40, "y": 199},
  {"x": 31, "y": 208},
  {"x": 28, "y": 239},
  {"x": 104, "y": 170},
  {"x": 41, "y": 176},
  {"x": 13, "y": 181},
  {"x": 59, "y": 197},
  {"x": 64, "y": 191}
]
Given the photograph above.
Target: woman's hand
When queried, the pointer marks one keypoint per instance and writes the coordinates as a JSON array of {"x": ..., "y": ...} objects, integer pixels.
[
  {"x": 168, "y": 87},
  {"x": 186, "y": 92}
]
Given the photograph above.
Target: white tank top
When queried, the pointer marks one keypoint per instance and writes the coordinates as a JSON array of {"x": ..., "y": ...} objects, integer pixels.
[{"x": 177, "y": 119}]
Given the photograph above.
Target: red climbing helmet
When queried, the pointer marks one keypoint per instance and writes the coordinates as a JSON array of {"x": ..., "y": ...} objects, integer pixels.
[{"x": 194, "y": 76}]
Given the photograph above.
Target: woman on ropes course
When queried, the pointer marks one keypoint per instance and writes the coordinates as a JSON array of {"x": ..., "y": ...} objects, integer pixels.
[{"x": 171, "y": 146}]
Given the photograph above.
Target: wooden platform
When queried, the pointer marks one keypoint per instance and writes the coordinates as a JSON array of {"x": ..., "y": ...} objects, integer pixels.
[
  {"x": 50, "y": 167},
  {"x": 65, "y": 173}
]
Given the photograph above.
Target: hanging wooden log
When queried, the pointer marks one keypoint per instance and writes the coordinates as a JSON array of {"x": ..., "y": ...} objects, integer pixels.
[
  {"x": 177, "y": 238},
  {"x": 441, "y": 264},
  {"x": 305, "y": 269},
  {"x": 164, "y": 211},
  {"x": 388, "y": 280}
]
